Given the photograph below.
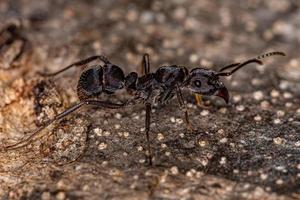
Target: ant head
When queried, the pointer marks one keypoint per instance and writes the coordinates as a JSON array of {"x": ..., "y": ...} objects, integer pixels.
[{"x": 206, "y": 82}]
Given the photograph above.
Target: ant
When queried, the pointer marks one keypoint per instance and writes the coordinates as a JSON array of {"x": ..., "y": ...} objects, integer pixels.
[{"x": 150, "y": 88}]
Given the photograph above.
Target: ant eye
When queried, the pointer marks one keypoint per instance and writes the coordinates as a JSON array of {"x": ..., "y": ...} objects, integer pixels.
[{"x": 197, "y": 83}]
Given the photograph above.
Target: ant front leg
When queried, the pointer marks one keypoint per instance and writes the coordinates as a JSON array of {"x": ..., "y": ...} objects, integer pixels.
[
  {"x": 200, "y": 102},
  {"x": 147, "y": 124},
  {"x": 77, "y": 64},
  {"x": 183, "y": 106}
]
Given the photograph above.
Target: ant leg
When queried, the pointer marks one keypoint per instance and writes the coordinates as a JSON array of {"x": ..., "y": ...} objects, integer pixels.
[
  {"x": 146, "y": 64},
  {"x": 147, "y": 123},
  {"x": 146, "y": 70},
  {"x": 77, "y": 64},
  {"x": 102, "y": 104},
  {"x": 199, "y": 101},
  {"x": 183, "y": 106}
]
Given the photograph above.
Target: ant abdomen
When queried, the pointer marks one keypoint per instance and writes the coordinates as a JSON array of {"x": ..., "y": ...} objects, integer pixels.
[
  {"x": 97, "y": 79},
  {"x": 90, "y": 83}
]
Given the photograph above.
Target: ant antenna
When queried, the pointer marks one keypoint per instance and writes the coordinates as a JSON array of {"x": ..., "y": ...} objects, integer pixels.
[
  {"x": 240, "y": 65},
  {"x": 274, "y": 53}
]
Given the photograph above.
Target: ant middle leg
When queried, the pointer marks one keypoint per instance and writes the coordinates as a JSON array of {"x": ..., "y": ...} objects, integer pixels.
[
  {"x": 146, "y": 70},
  {"x": 147, "y": 124},
  {"x": 76, "y": 64},
  {"x": 97, "y": 103}
]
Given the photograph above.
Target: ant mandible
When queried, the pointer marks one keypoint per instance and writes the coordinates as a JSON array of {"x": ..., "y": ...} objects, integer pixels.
[{"x": 150, "y": 88}]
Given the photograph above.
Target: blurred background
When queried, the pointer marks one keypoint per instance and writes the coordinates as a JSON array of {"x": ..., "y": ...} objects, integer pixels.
[{"x": 262, "y": 120}]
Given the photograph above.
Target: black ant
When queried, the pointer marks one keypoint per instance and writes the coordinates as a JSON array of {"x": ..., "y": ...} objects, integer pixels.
[{"x": 150, "y": 88}]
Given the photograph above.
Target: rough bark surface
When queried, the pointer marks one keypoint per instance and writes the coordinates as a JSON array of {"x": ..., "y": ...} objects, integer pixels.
[{"x": 249, "y": 149}]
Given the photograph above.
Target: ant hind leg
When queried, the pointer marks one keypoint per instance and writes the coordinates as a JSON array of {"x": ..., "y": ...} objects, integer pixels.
[
  {"x": 76, "y": 64},
  {"x": 97, "y": 103}
]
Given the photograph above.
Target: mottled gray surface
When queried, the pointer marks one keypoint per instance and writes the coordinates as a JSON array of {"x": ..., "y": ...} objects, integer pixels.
[{"x": 249, "y": 149}]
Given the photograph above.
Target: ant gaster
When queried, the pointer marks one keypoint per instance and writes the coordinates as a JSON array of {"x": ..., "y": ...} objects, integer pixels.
[{"x": 150, "y": 88}]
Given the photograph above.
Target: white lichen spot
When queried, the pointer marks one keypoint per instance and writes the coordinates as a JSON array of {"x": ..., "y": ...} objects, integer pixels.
[
  {"x": 206, "y": 63},
  {"x": 126, "y": 134},
  {"x": 263, "y": 176},
  {"x": 221, "y": 131},
  {"x": 277, "y": 121},
  {"x": 160, "y": 136},
  {"x": 298, "y": 166},
  {"x": 275, "y": 93},
  {"x": 202, "y": 143},
  {"x": 174, "y": 170},
  {"x": 104, "y": 163},
  {"x": 61, "y": 196},
  {"x": 279, "y": 181},
  {"x": 264, "y": 104},
  {"x": 232, "y": 144},
  {"x": 236, "y": 171},
  {"x": 223, "y": 110},
  {"x": 204, "y": 113},
  {"x": 287, "y": 95},
  {"x": 136, "y": 177},
  {"x": 168, "y": 153},
  {"x": 258, "y": 95},
  {"x": 193, "y": 58},
  {"x": 181, "y": 135},
  {"x": 163, "y": 145},
  {"x": 125, "y": 154},
  {"x": 278, "y": 140},
  {"x": 120, "y": 134},
  {"x": 280, "y": 168},
  {"x": 102, "y": 146},
  {"x": 280, "y": 113},
  {"x": 143, "y": 129},
  {"x": 257, "y": 118},
  {"x": 223, "y": 160},
  {"x": 98, "y": 131},
  {"x": 256, "y": 81},
  {"x": 288, "y": 104},
  {"x": 204, "y": 162},
  {"x": 118, "y": 116},
  {"x": 140, "y": 148},
  {"x": 223, "y": 140},
  {"x": 86, "y": 188},
  {"x": 189, "y": 174},
  {"x": 106, "y": 133},
  {"x": 142, "y": 161},
  {"x": 297, "y": 144},
  {"x": 117, "y": 126},
  {"x": 189, "y": 105},
  {"x": 237, "y": 98},
  {"x": 199, "y": 174},
  {"x": 240, "y": 108},
  {"x": 172, "y": 119},
  {"x": 179, "y": 121}
]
